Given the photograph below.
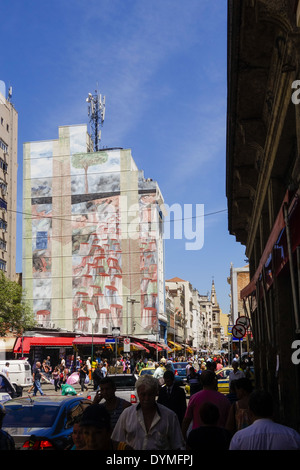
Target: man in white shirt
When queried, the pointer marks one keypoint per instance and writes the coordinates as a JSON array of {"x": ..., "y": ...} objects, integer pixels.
[
  {"x": 5, "y": 370},
  {"x": 264, "y": 433},
  {"x": 149, "y": 425}
]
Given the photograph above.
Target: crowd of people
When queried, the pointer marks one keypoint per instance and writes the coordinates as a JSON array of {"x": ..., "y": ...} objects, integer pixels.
[{"x": 164, "y": 419}]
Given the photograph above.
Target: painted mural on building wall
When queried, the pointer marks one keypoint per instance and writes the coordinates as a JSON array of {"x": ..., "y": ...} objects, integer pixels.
[
  {"x": 87, "y": 218},
  {"x": 41, "y": 192},
  {"x": 97, "y": 265},
  {"x": 148, "y": 262}
]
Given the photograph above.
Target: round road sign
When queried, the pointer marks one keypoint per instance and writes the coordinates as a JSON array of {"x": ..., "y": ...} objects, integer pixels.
[
  {"x": 243, "y": 321},
  {"x": 238, "y": 331}
]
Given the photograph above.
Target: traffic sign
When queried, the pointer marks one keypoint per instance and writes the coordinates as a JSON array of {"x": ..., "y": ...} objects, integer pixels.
[
  {"x": 238, "y": 331},
  {"x": 126, "y": 344},
  {"x": 243, "y": 321},
  {"x": 110, "y": 340}
]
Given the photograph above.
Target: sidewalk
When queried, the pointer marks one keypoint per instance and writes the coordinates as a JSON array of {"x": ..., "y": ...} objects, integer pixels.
[{"x": 49, "y": 389}]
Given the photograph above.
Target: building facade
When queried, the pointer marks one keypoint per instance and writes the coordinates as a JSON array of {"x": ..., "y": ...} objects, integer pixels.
[
  {"x": 263, "y": 185},
  {"x": 93, "y": 238},
  {"x": 8, "y": 183},
  {"x": 239, "y": 278},
  {"x": 197, "y": 315}
]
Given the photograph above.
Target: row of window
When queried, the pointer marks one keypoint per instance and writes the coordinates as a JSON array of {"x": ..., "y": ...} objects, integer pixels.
[
  {"x": 3, "y": 203},
  {"x": 2, "y": 124}
]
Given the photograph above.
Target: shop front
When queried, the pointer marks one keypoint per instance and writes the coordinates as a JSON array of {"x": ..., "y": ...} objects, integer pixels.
[{"x": 38, "y": 348}]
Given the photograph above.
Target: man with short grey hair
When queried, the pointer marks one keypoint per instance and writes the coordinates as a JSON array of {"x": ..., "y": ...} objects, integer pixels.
[{"x": 149, "y": 425}]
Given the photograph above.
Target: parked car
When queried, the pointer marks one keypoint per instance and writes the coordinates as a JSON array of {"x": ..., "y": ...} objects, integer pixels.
[
  {"x": 7, "y": 389},
  {"x": 19, "y": 371},
  {"x": 125, "y": 387},
  {"x": 38, "y": 423},
  {"x": 151, "y": 370},
  {"x": 146, "y": 370},
  {"x": 223, "y": 381},
  {"x": 180, "y": 372},
  {"x": 223, "y": 378}
]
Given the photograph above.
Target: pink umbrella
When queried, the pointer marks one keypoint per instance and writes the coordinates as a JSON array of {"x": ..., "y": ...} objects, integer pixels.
[{"x": 73, "y": 378}]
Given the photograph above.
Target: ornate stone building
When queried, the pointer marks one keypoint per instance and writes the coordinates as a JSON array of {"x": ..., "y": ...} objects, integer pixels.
[
  {"x": 263, "y": 184},
  {"x": 197, "y": 317}
]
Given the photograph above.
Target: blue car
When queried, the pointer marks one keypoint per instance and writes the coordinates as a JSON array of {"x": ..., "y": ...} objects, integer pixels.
[
  {"x": 180, "y": 372},
  {"x": 40, "y": 423}
]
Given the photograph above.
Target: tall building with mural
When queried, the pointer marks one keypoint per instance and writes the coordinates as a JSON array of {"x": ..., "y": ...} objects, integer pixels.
[
  {"x": 8, "y": 182},
  {"x": 93, "y": 238}
]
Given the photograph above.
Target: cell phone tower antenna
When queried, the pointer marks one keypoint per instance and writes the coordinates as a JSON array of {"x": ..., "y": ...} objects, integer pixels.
[{"x": 96, "y": 113}]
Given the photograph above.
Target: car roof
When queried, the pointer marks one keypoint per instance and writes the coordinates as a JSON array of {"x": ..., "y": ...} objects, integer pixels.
[{"x": 55, "y": 400}]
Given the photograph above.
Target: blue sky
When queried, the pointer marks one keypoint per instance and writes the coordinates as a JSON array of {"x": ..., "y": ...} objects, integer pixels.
[{"x": 162, "y": 66}]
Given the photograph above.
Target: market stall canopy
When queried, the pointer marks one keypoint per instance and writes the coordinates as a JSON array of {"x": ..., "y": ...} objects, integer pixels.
[{"x": 24, "y": 343}]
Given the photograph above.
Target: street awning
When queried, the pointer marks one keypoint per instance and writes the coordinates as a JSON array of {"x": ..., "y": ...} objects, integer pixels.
[
  {"x": 165, "y": 347},
  {"x": 7, "y": 343},
  {"x": 276, "y": 243},
  {"x": 89, "y": 340},
  {"x": 176, "y": 346},
  {"x": 24, "y": 344},
  {"x": 155, "y": 346},
  {"x": 188, "y": 348},
  {"x": 139, "y": 346}
]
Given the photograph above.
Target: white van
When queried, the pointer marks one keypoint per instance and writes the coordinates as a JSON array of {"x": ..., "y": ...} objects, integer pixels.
[
  {"x": 7, "y": 390},
  {"x": 19, "y": 372}
]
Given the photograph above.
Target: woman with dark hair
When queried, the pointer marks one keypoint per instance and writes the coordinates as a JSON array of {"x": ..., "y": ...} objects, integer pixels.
[{"x": 238, "y": 417}]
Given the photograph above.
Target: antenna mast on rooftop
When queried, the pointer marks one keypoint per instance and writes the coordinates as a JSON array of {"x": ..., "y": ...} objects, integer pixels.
[{"x": 96, "y": 112}]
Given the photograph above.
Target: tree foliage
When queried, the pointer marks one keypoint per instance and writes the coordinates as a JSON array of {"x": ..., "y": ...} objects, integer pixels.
[
  {"x": 85, "y": 160},
  {"x": 15, "y": 313}
]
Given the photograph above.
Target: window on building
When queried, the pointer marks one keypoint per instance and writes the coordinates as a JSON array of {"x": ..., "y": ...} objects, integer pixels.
[
  {"x": 3, "y": 164},
  {"x": 2, "y": 265},
  {"x": 3, "y": 224},
  {"x": 3, "y": 204},
  {"x": 3, "y": 145}
]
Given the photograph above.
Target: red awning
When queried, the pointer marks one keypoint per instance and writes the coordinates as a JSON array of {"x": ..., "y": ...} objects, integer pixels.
[
  {"x": 278, "y": 226},
  {"x": 88, "y": 340},
  {"x": 41, "y": 341},
  {"x": 154, "y": 345},
  {"x": 139, "y": 346}
]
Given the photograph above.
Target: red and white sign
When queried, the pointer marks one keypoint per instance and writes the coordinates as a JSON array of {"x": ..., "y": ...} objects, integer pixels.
[
  {"x": 238, "y": 331},
  {"x": 243, "y": 321},
  {"x": 126, "y": 344}
]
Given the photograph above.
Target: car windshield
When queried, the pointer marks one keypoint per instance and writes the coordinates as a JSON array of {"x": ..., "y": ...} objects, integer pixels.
[
  {"x": 147, "y": 371},
  {"x": 180, "y": 365},
  {"x": 124, "y": 381},
  {"x": 30, "y": 416}
]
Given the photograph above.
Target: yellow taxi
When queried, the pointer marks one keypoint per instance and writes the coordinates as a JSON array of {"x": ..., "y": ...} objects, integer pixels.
[
  {"x": 147, "y": 370},
  {"x": 223, "y": 381}
]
